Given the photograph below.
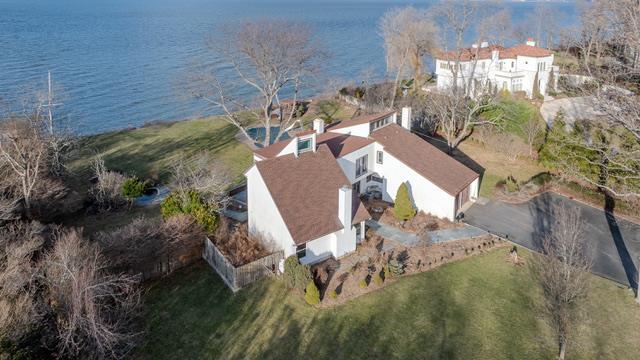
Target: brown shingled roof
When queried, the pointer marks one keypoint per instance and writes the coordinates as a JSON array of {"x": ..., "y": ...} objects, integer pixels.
[
  {"x": 339, "y": 144},
  {"x": 424, "y": 158},
  {"x": 272, "y": 150},
  {"x": 305, "y": 190},
  {"x": 361, "y": 120}
]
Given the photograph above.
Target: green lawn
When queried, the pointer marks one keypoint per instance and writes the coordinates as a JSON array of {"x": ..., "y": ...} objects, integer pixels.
[
  {"x": 148, "y": 152},
  {"x": 479, "y": 308}
]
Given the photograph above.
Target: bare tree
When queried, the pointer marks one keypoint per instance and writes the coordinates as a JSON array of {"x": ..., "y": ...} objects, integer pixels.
[
  {"x": 23, "y": 150},
  {"x": 202, "y": 174},
  {"x": 107, "y": 190},
  {"x": 408, "y": 36},
  {"x": 532, "y": 130},
  {"x": 20, "y": 311},
  {"x": 497, "y": 27},
  {"x": 457, "y": 114},
  {"x": 562, "y": 272},
  {"x": 93, "y": 309},
  {"x": 269, "y": 59}
]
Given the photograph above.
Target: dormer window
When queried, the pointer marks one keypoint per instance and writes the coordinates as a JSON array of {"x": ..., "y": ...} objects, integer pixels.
[
  {"x": 378, "y": 123},
  {"x": 305, "y": 144}
]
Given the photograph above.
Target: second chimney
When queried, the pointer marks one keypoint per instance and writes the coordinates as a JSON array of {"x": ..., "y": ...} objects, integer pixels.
[
  {"x": 318, "y": 126},
  {"x": 344, "y": 206},
  {"x": 405, "y": 121}
]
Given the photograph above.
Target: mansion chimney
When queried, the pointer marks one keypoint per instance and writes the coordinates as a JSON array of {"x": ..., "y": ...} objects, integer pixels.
[{"x": 344, "y": 205}]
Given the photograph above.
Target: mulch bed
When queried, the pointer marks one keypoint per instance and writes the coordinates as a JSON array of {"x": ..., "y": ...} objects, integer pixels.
[
  {"x": 420, "y": 223},
  {"x": 344, "y": 276}
]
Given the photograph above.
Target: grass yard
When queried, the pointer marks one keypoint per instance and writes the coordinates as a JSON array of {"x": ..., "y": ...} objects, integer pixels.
[
  {"x": 148, "y": 152},
  {"x": 498, "y": 166},
  {"x": 479, "y": 308}
]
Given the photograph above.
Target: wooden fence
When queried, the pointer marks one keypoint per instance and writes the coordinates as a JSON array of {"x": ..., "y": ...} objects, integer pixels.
[{"x": 238, "y": 277}]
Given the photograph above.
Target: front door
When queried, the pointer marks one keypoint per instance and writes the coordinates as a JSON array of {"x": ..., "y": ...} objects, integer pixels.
[{"x": 462, "y": 198}]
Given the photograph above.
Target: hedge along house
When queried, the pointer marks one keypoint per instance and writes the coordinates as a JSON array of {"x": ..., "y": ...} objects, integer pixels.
[{"x": 303, "y": 192}]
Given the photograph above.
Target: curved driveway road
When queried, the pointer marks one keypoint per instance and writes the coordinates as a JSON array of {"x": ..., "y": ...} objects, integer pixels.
[{"x": 615, "y": 242}]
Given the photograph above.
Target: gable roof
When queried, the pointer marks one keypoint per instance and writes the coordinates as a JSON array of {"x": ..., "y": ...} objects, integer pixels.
[
  {"x": 364, "y": 119},
  {"x": 305, "y": 190},
  {"x": 339, "y": 144},
  {"x": 425, "y": 159}
]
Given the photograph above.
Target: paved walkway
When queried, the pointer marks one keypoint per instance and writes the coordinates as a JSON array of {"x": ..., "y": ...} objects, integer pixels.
[
  {"x": 615, "y": 242},
  {"x": 465, "y": 232},
  {"x": 437, "y": 236},
  {"x": 573, "y": 108}
]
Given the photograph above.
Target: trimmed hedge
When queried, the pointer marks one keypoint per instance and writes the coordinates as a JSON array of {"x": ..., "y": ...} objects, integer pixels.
[
  {"x": 296, "y": 275},
  {"x": 403, "y": 208}
]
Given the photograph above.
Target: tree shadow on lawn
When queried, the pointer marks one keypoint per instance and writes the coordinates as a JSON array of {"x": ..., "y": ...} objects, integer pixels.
[{"x": 133, "y": 153}]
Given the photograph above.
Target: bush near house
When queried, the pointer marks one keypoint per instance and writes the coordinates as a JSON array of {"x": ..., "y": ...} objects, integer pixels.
[
  {"x": 192, "y": 204},
  {"x": 134, "y": 187},
  {"x": 377, "y": 279},
  {"x": 312, "y": 295},
  {"x": 296, "y": 275},
  {"x": 403, "y": 208}
]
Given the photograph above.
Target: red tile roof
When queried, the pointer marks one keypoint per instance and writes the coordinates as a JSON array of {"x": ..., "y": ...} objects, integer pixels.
[
  {"x": 305, "y": 190},
  {"x": 361, "y": 120},
  {"x": 427, "y": 160},
  {"x": 467, "y": 54}
]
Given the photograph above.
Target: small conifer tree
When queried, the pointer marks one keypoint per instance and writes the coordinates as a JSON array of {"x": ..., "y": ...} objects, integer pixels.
[
  {"x": 312, "y": 295},
  {"x": 403, "y": 208}
]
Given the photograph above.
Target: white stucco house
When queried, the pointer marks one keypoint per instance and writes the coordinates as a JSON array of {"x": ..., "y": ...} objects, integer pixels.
[
  {"x": 513, "y": 69},
  {"x": 303, "y": 192}
]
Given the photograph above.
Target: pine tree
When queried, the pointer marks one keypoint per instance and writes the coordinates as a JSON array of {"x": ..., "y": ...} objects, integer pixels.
[
  {"x": 403, "y": 208},
  {"x": 312, "y": 295}
]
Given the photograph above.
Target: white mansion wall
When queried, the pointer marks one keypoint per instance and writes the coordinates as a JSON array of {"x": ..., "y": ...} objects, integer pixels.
[{"x": 263, "y": 214}]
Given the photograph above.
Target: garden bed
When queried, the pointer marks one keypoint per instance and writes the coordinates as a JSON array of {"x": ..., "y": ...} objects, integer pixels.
[
  {"x": 371, "y": 268},
  {"x": 418, "y": 224}
]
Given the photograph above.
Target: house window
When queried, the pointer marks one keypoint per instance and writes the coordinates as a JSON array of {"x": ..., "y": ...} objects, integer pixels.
[
  {"x": 356, "y": 187},
  {"x": 361, "y": 166},
  {"x": 301, "y": 251},
  {"x": 378, "y": 123},
  {"x": 379, "y": 157},
  {"x": 541, "y": 66},
  {"x": 374, "y": 178},
  {"x": 358, "y": 231},
  {"x": 500, "y": 65},
  {"x": 304, "y": 145}
]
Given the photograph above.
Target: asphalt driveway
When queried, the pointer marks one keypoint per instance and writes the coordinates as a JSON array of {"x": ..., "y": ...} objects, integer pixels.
[{"x": 615, "y": 242}]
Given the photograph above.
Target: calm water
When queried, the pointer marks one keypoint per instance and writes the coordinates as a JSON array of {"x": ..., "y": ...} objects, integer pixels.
[{"x": 119, "y": 62}]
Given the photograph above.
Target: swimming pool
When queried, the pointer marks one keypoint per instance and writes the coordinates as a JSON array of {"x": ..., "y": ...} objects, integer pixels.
[{"x": 258, "y": 134}]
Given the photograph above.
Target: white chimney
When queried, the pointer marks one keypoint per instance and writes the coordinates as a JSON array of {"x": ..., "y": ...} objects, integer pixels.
[
  {"x": 484, "y": 44},
  {"x": 344, "y": 205},
  {"x": 406, "y": 118},
  {"x": 318, "y": 126},
  {"x": 474, "y": 46},
  {"x": 530, "y": 42}
]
